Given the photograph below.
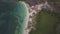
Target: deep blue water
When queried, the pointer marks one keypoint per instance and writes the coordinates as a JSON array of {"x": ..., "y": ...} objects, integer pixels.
[{"x": 12, "y": 18}]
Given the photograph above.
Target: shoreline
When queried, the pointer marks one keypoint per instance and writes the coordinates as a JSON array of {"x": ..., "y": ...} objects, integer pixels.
[{"x": 27, "y": 17}]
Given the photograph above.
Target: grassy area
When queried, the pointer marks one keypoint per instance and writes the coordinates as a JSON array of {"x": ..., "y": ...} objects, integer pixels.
[{"x": 46, "y": 23}]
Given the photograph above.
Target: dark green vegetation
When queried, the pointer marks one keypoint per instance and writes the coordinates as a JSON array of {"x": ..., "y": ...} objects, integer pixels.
[{"x": 46, "y": 23}]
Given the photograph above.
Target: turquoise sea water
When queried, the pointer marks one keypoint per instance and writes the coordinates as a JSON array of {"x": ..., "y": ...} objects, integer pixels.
[
  {"x": 22, "y": 17},
  {"x": 12, "y": 17}
]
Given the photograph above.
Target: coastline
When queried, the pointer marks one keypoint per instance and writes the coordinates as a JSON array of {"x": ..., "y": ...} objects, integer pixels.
[{"x": 26, "y": 18}]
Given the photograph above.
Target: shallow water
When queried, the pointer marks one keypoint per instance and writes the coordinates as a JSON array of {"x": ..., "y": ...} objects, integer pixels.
[{"x": 22, "y": 16}]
